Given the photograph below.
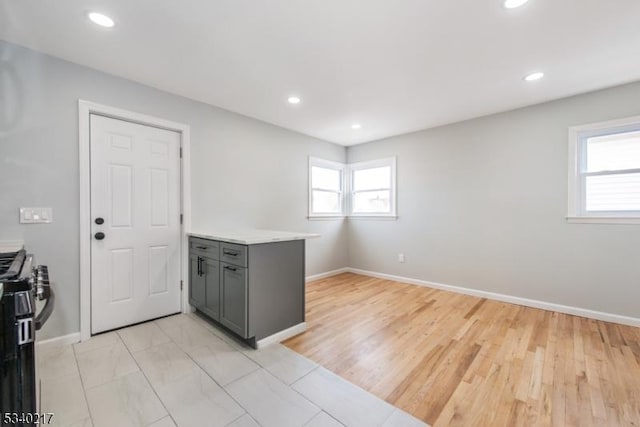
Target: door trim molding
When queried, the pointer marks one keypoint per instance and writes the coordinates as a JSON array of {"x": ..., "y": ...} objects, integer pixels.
[{"x": 85, "y": 109}]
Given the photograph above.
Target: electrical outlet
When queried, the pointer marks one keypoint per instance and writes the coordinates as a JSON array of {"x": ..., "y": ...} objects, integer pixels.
[{"x": 400, "y": 257}]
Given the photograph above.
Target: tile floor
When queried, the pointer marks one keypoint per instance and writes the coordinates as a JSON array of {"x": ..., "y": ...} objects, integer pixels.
[{"x": 182, "y": 371}]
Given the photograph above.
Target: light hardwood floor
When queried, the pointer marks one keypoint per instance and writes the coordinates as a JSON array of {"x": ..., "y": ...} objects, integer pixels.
[{"x": 452, "y": 359}]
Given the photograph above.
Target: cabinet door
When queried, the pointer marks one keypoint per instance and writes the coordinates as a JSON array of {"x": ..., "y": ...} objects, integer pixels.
[
  {"x": 197, "y": 293},
  {"x": 212, "y": 285},
  {"x": 233, "y": 298}
]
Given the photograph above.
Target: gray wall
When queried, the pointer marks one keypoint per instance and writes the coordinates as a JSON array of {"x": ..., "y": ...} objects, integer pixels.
[
  {"x": 482, "y": 204},
  {"x": 245, "y": 173}
]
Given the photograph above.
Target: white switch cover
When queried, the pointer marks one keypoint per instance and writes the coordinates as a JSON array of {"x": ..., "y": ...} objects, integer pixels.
[{"x": 36, "y": 215}]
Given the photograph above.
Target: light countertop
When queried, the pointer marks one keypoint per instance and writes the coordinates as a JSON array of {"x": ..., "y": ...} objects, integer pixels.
[
  {"x": 11, "y": 245},
  {"x": 252, "y": 237}
]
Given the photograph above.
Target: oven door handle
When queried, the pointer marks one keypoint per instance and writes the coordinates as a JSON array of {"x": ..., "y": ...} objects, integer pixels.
[{"x": 46, "y": 311}]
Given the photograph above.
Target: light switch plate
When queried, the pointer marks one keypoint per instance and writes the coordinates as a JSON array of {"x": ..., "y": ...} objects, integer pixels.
[{"x": 36, "y": 215}]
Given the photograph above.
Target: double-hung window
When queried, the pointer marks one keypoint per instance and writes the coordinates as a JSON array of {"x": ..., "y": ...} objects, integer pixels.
[
  {"x": 604, "y": 172},
  {"x": 373, "y": 188},
  {"x": 326, "y": 188}
]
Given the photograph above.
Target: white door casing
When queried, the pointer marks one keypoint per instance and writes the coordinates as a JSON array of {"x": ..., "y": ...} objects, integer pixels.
[{"x": 135, "y": 188}]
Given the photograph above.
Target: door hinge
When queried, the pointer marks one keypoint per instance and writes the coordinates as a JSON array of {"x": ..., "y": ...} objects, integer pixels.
[
  {"x": 180, "y": 152},
  {"x": 181, "y": 284},
  {"x": 181, "y": 218}
]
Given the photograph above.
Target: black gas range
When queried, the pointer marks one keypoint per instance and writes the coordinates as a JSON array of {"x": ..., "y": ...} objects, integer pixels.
[{"x": 21, "y": 283}]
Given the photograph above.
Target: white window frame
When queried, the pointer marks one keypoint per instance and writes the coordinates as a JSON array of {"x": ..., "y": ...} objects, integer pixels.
[
  {"x": 578, "y": 136},
  {"x": 327, "y": 164},
  {"x": 353, "y": 167}
]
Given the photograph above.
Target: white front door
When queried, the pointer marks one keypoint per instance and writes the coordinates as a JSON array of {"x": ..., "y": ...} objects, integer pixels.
[{"x": 135, "y": 204}]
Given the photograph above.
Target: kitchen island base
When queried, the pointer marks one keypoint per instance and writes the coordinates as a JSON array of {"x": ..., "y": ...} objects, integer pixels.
[{"x": 255, "y": 291}]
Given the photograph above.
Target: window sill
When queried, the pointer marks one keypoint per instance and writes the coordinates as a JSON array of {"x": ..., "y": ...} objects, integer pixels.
[
  {"x": 356, "y": 217},
  {"x": 603, "y": 220},
  {"x": 374, "y": 217},
  {"x": 325, "y": 217}
]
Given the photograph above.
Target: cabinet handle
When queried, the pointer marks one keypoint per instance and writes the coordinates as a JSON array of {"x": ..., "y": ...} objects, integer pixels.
[
  {"x": 227, "y": 267},
  {"x": 230, "y": 253},
  {"x": 201, "y": 247},
  {"x": 199, "y": 266}
]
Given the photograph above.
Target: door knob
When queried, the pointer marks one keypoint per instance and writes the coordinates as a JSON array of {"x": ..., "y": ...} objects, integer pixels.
[
  {"x": 99, "y": 221},
  {"x": 99, "y": 235}
]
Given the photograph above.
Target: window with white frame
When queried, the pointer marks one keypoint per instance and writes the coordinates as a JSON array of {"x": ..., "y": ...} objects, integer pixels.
[
  {"x": 326, "y": 188},
  {"x": 369, "y": 190},
  {"x": 373, "y": 188},
  {"x": 604, "y": 173}
]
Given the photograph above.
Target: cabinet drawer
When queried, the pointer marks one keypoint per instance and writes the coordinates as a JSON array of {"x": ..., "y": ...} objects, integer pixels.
[
  {"x": 204, "y": 247},
  {"x": 233, "y": 254}
]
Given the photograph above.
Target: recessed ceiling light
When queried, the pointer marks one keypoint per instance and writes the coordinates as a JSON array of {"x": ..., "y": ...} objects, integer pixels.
[
  {"x": 512, "y": 4},
  {"x": 534, "y": 76},
  {"x": 356, "y": 126},
  {"x": 294, "y": 100},
  {"x": 102, "y": 20}
]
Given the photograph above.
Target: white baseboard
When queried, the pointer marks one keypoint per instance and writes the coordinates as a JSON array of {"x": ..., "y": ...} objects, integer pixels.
[
  {"x": 282, "y": 335},
  {"x": 576, "y": 311},
  {"x": 63, "y": 340},
  {"x": 326, "y": 274}
]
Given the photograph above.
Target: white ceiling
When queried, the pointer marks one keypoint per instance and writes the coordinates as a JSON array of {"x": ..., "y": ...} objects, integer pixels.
[{"x": 394, "y": 66}]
